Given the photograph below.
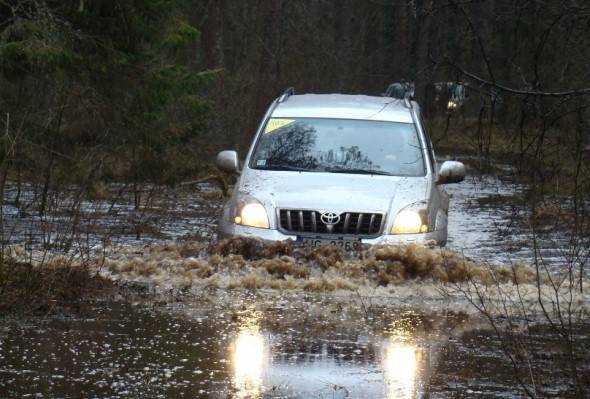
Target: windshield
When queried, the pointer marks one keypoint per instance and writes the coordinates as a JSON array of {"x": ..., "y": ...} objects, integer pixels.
[{"x": 339, "y": 146}]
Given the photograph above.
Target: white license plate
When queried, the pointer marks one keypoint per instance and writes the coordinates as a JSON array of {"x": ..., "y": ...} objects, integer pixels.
[{"x": 346, "y": 244}]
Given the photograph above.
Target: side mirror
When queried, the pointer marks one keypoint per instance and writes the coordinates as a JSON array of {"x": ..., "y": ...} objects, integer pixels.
[
  {"x": 228, "y": 161},
  {"x": 451, "y": 172}
]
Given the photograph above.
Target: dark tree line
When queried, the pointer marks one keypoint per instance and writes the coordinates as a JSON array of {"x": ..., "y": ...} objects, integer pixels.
[
  {"x": 149, "y": 90},
  {"x": 524, "y": 62}
]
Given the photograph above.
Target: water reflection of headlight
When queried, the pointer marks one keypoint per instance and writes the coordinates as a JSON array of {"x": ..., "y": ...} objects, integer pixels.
[
  {"x": 400, "y": 368},
  {"x": 247, "y": 360}
]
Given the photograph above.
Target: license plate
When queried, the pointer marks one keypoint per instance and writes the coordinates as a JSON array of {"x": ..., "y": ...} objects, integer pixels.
[{"x": 350, "y": 244}]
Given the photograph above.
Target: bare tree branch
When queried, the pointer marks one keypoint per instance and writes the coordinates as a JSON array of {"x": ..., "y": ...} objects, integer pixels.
[{"x": 520, "y": 92}]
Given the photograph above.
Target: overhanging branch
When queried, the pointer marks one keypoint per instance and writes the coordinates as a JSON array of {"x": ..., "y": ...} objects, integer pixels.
[{"x": 576, "y": 92}]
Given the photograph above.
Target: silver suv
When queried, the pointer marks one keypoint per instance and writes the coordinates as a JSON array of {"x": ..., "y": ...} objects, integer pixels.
[{"x": 339, "y": 170}]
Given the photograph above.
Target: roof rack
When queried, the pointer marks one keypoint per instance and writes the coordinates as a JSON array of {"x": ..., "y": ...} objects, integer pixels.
[
  {"x": 288, "y": 92},
  {"x": 400, "y": 90}
]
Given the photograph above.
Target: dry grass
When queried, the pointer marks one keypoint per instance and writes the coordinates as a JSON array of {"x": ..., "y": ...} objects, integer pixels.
[
  {"x": 214, "y": 195},
  {"x": 99, "y": 191},
  {"x": 550, "y": 162},
  {"x": 462, "y": 138},
  {"x": 554, "y": 212},
  {"x": 29, "y": 289}
]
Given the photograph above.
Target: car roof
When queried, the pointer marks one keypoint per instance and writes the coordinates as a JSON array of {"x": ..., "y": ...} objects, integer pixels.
[{"x": 344, "y": 106}]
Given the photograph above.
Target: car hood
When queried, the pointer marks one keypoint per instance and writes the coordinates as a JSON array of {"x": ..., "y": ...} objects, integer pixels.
[{"x": 332, "y": 191}]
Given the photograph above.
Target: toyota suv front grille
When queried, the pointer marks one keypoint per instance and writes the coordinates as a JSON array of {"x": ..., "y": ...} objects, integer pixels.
[{"x": 295, "y": 221}]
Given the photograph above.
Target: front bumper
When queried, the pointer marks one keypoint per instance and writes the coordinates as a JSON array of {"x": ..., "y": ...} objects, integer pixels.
[{"x": 227, "y": 229}]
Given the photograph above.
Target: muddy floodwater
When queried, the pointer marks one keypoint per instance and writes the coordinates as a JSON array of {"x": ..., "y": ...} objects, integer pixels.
[
  {"x": 160, "y": 340},
  {"x": 488, "y": 220},
  {"x": 289, "y": 347}
]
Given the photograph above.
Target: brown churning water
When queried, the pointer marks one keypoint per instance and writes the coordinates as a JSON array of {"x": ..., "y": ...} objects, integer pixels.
[{"x": 251, "y": 263}]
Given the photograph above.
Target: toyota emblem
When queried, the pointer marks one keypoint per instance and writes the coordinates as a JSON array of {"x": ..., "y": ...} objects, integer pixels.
[{"x": 330, "y": 218}]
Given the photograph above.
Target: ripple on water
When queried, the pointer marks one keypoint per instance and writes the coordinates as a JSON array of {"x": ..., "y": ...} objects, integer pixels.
[{"x": 250, "y": 347}]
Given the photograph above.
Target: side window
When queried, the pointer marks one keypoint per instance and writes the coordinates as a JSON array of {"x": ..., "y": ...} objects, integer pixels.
[{"x": 428, "y": 143}]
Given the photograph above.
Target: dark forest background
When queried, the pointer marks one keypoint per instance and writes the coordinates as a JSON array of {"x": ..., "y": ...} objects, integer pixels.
[{"x": 148, "y": 91}]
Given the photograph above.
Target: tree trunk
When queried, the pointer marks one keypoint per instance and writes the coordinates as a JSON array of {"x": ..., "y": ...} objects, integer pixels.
[{"x": 213, "y": 35}]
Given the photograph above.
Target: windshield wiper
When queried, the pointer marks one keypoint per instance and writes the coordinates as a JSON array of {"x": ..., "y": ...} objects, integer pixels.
[
  {"x": 284, "y": 167},
  {"x": 359, "y": 171}
]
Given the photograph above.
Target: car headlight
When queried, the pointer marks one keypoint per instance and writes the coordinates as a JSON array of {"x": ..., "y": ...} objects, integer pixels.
[
  {"x": 411, "y": 220},
  {"x": 250, "y": 212}
]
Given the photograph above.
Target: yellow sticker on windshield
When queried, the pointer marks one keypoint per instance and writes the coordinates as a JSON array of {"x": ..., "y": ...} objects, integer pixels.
[{"x": 277, "y": 123}]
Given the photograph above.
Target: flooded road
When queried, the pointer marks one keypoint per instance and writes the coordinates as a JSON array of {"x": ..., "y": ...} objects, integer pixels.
[
  {"x": 254, "y": 348},
  {"x": 237, "y": 323},
  {"x": 488, "y": 221}
]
